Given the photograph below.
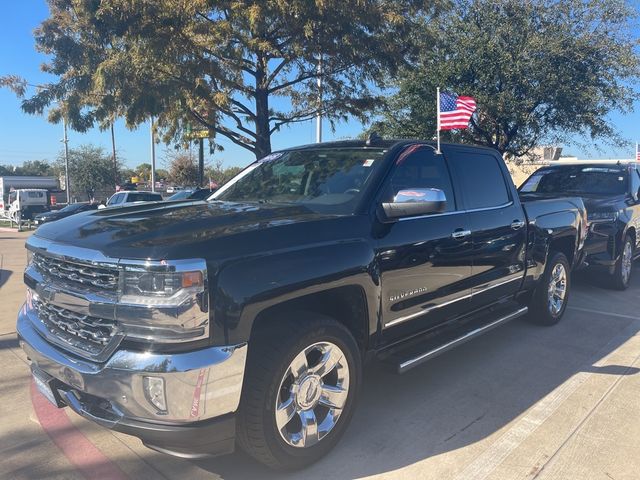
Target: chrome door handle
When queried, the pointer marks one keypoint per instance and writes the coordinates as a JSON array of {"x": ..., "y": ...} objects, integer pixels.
[
  {"x": 517, "y": 224},
  {"x": 460, "y": 234}
]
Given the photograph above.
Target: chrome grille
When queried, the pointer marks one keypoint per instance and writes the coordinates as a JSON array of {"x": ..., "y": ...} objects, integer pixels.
[
  {"x": 86, "y": 274},
  {"x": 90, "y": 335}
]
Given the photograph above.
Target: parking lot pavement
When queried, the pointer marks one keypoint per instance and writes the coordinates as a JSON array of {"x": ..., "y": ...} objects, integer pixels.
[{"x": 520, "y": 402}]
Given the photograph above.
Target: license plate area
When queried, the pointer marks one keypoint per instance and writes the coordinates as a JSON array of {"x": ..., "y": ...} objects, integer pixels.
[{"x": 45, "y": 384}]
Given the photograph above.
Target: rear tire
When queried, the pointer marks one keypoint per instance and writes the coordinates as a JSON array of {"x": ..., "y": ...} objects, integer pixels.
[
  {"x": 284, "y": 419},
  {"x": 549, "y": 301},
  {"x": 624, "y": 265}
]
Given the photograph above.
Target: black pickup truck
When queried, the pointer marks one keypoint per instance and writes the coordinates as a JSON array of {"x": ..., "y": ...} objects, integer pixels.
[
  {"x": 611, "y": 194},
  {"x": 246, "y": 318}
]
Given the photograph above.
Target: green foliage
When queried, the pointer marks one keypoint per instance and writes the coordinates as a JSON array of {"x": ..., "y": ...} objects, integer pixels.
[
  {"x": 144, "y": 171},
  {"x": 220, "y": 175},
  {"x": 540, "y": 70},
  {"x": 183, "y": 170},
  {"x": 29, "y": 168},
  {"x": 161, "y": 174},
  {"x": 90, "y": 170},
  {"x": 125, "y": 175},
  {"x": 218, "y": 65}
]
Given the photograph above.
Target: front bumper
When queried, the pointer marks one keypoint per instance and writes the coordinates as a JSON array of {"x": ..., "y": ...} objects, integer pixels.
[{"x": 202, "y": 390}]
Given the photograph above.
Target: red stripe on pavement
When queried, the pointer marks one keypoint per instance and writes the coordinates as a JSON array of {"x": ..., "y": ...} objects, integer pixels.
[{"x": 83, "y": 454}]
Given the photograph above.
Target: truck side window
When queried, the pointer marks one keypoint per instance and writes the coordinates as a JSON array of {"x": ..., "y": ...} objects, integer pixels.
[
  {"x": 421, "y": 169},
  {"x": 635, "y": 181},
  {"x": 481, "y": 180}
]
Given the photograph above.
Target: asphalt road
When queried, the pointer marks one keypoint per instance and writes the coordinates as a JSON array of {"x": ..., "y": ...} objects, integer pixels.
[{"x": 521, "y": 402}]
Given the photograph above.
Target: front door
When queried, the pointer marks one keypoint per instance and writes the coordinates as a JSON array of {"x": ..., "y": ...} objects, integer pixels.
[{"x": 425, "y": 261}]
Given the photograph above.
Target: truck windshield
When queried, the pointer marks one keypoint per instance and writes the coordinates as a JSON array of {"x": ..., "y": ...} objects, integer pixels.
[
  {"x": 327, "y": 180},
  {"x": 581, "y": 180}
]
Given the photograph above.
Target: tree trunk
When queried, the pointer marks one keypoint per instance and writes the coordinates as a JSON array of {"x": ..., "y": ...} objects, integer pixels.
[{"x": 263, "y": 136}]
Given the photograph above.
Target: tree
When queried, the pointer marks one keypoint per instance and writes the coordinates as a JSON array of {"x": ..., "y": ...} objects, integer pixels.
[
  {"x": 540, "y": 70},
  {"x": 144, "y": 171},
  {"x": 126, "y": 174},
  {"x": 40, "y": 168},
  {"x": 162, "y": 174},
  {"x": 90, "y": 170},
  {"x": 36, "y": 168},
  {"x": 219, "y": 65},
  {"x": 183, "y": 170},
  {"x": 220, "y": 175}
]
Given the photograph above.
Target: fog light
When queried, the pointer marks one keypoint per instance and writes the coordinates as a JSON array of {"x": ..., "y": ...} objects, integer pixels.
[{"x": 155, "y": 393}]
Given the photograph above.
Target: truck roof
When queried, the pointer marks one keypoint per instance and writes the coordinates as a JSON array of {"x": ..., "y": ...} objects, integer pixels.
[{"x": 381, "y": 143}]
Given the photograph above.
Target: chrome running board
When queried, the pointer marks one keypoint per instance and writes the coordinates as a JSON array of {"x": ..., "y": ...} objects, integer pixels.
[{"x": 414, "y": 361}]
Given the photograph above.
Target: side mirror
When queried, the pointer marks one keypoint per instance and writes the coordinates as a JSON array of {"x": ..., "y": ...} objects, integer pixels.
[{"x": 413, "y": 202}]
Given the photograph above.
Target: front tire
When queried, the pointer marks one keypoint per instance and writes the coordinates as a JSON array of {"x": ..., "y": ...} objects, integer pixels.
[
  {"x": 549, "y": 301},
  {"x": 624, "y": 265},
  {"x": 302, "y": 379}
]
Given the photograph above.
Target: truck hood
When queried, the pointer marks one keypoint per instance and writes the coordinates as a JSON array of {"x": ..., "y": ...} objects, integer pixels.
[
  {"x": 596, "y": 203},
  {"x": 159, "y": 230}
]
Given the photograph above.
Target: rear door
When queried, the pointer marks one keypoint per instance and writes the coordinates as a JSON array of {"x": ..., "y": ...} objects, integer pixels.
[
  {"x": 424, "y": 261},
  {"x": 497, "y": 222}
]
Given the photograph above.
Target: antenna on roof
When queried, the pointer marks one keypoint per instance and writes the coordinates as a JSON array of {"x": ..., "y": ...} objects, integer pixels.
[{"x": 372, "y": 138}]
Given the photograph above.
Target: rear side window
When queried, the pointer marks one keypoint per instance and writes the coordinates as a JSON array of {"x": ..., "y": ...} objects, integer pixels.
[
  {"x": 635, "y": 181},
  {"x": 481, "y": 180}
]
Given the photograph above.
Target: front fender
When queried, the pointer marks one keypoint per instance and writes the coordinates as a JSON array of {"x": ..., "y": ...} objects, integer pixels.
[{"x": 247, "y": 287}]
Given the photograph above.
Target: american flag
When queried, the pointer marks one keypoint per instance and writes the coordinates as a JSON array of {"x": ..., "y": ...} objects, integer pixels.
[
  {"x": 638, "y": 152},
  {"x": 455, "y": 111}
]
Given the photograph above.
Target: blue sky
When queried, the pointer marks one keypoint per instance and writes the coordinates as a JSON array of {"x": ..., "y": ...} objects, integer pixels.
[{"x": 26, "y": 137}]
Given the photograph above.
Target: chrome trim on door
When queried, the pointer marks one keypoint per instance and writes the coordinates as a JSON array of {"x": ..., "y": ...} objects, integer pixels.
[
  {"x": 444, "y": 304},
  {"x": 484, "y": 288},
  {"x": 457, "y": 212}
]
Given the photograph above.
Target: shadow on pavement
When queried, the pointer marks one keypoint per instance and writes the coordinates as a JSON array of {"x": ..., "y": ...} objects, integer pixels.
[
  {"x": 459, "y": 398},
  {"x": 8, "y": 341},
  {"x": 4, "y": 276}
]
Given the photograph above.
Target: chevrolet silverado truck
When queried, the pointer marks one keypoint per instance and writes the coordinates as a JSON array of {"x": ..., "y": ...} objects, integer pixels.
[
  {"x": 245, "y": 319},
  {"x": 611, "y": 194}
]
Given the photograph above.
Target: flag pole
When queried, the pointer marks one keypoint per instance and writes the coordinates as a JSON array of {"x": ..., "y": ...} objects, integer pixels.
[{"x": 438, "y": 118}]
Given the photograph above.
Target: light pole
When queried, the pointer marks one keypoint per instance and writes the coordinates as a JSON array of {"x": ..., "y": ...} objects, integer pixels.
[
  {"x": 65, "y": 140},
  {"x": 153, "y": 159},
  {"x": 115, "y": 161}
]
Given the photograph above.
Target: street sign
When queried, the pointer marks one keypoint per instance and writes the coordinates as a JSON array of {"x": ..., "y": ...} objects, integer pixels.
[{"x": 196, "y": 134}]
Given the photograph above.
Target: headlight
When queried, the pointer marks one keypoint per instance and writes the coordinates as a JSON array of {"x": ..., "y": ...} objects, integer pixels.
[
  {"x": 143, "y": 286},
  {"x": 164, "y": 301},
  {"x": 29, "y": 257},
  {"x": 602, "y": 216}
]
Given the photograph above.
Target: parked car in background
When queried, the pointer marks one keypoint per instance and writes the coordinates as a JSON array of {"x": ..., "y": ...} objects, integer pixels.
[
  {"x": 67, "y": 211},
  {"x": 126, "y": 198},
  {"x": 174, "y": 189},
  {"x": 191, "y": 194},
  {"x": 611, "y": 193},
  {"x": 25, "y": 204},
  {"x": 246, "y": 319}
]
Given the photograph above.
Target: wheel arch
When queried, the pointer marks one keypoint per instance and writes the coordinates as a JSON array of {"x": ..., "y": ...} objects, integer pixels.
[{"x": 346, "y": 304}]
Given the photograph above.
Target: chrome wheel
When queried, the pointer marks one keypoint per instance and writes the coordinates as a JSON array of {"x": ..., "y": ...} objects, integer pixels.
[
  {"x": 627, "y": 260},
  {"x": 312, "y": 394},
  {"x": 557, "y": 289}
]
